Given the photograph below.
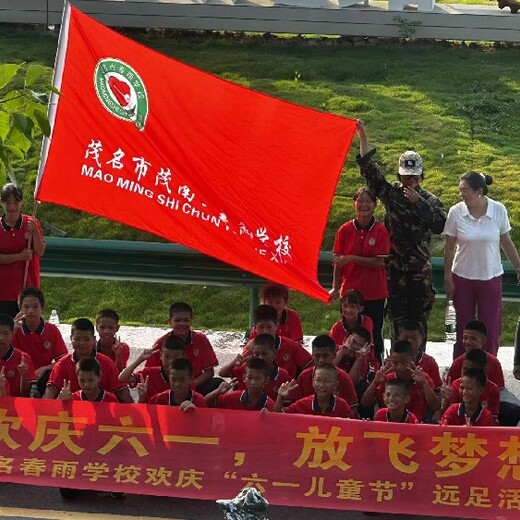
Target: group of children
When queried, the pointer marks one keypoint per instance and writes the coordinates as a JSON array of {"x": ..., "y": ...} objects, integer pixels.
[{"x": 343, "y": 377}]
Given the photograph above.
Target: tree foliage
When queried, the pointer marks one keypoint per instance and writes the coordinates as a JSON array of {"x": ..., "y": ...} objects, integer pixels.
[{"x": 24, "y": 96}]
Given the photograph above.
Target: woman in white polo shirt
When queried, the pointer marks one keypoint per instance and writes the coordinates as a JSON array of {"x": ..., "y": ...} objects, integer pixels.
[{"x": 475, "y": 230}]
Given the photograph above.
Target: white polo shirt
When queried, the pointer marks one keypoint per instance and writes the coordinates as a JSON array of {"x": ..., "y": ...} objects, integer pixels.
[{"x": 477, "y": 252}]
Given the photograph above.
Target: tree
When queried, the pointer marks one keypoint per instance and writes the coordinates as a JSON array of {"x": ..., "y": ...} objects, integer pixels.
[{"x": 24, "y": 96}]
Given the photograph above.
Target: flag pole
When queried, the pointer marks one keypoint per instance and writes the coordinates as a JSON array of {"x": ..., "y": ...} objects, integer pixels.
[{"x": 29, "y": 240}]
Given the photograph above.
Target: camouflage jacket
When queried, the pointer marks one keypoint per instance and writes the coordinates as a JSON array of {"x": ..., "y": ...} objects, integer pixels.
[{"x": 410, "y": 224}]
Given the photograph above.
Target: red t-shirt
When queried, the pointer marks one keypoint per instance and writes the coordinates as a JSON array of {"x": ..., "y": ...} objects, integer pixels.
[
  {"x": 125, "y": 353},
  {"x": 490, "y": 397},
  {"x": 239, "y": 400},
  {"x": 103, "y": 397},
  {"x": 493, "y": 370},
  {"x": 65, "y": 368},
  {"x": 430, "y": 367},
  {"x": 277, "y": 377},
  {"x": 352, "y": 239},
  {"x": 417, "y": 404},
  {"x": 382, "y": 415},
  {"x": 167, "y": 398},
  {"x": 289, "y": 326},
  {"x": 158, "y": 380},
  {"x": 198, "y": 350},
  {"x": 338, "y": 407},
  {"x": 14, "y": 240},
  {"x": 345, "y": 388},
  {"x": 341, "y": 331},
  {"x": 455, "y": 415},
  {"x": 10, "y": 362},
  {"x": 43, "y": 345}
]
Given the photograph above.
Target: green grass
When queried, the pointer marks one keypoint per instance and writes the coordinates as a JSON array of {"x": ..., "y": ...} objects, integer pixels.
[{"x": 457, "y": 106}]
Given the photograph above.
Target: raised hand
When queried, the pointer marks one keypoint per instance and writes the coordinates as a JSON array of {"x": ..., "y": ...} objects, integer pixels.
[
  {"x": 3, "y": 383},
  {"x": 142, "y": 387},
  {"x": 65, "y": 393},
  {"x": 116, "y": 347},
  {"x": 226, "y": 386},
  {"x": 147, "y": 353},
  {"x": 23, "y": 367},
  {"x": 286, "y": 388},
  {"x": 417, "y": 374}
]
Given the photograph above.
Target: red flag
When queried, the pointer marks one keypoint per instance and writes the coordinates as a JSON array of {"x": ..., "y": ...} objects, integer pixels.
[{"x": 156, "y": 144}]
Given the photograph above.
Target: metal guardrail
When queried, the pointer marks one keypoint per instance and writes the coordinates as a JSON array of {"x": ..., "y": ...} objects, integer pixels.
[{"x": 173, "y": 263}]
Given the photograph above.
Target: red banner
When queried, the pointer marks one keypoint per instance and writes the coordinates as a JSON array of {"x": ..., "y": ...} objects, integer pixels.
[
  {"x": 156, "y": 144},
  {"x": 209, "y": 453}
]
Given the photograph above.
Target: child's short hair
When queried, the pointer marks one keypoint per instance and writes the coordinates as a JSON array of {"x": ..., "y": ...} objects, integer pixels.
[
  {"x": 111, "y": 314},
  {"x": 173, "y": 342},
  {"x": 274, "y": 290},
  {"x": 477, "y": 356},
  {"x": 31, "y": 291},
  {"x": 361, "y": 331},
  {"x": 258, "y": 364},
  {"x": 82, "y": 324},
  {"x": 180, "y": 307},
  {"x": 402, "y": 346},
  {"x": 182, "y": 364},
  {"x": 6, "y": 320},
  {"x": 265, "y": 340},
  {"x": 477, "y": 326},
  {"x": 265, "y": 313},
  {"x": 331, "y": 369},
  {"x": 353, "y": 297},
  {"x": 476, "y": 374},
  {"x": 9, "y": 190},
  {"x": 88, "y": 364},
  {"x": 399, "y": 383},
  {"x": 324, "y": 341},
  {"x": 410, "y": 326}
]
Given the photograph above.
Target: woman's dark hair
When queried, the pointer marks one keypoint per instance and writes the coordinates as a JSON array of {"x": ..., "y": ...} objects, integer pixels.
[
  {"x": 477, "y": 180},
  {"x": 366, "y": 190},
  {"x": 10, "y": 189}
]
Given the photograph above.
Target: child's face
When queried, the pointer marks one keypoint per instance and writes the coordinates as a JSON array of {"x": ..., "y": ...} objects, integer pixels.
[
  {"x": 107, "y": 328},
  {"x": 88, "y": 381},
  {"x": 324, "y": 382},
  {"x": 167, "y": 356},
  {"x": 401, "y": 363},
  {"x": 180, "y": 381},
  {"x": 265, "y": 327},
  {"x": 5, "y": 338},
  {"x": 414, "y": 337},
  {"x": 277, "y": 302},
  {"x": 12, "y": 207},
  {"x": 395, "y": 398},
  {"x": 473, "y": 339},
  {"x": 350, "y": 311},
  {"x": 32, "y": 309},
  {"x": 357, "y": 342},
  {"x": 265, "y": 353},
  {"x": 322, "y": 356},
  {"x": 255, "y": 379},
  {"x": 83, "y": 342},
  {"x": 181, "y": 322},
  {"x": 470, "y": 390}
]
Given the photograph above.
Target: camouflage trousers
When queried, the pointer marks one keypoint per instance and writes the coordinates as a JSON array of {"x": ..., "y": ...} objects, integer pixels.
[{"x": 410, "y": 297}]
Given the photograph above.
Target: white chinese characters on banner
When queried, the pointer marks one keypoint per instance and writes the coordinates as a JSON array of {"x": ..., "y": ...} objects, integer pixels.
[{"x": 184, "y": 200}]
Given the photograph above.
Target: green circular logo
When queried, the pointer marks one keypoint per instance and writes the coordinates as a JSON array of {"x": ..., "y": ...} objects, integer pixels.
[{"x": 121, "y": 91}]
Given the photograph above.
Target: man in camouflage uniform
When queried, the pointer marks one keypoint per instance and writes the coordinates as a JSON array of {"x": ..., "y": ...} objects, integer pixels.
[{"x": 411, "y": 216}]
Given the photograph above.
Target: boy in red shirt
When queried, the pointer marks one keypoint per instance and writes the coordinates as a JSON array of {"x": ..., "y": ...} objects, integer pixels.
[
  {"x": 41, "y": 341},
  {"x": 470, "y": 412},
  {"x": 157, "y": 378},
  {"x": 322, "y": 402},
  {"x": 198, "y": 348},
  {"x": 289, "y": 324},
  {"x": 324, "y": 353},
  {"x": 400, "y": 364},
  {"x": 107, "y": 326},
  {"x": 88, "y": 372},
  {"x": 252, "y": 398},
  {"x": 180, "y": 393},
  {"x": 83, "y": 341},
  {"x": 475, "y": 336},
  {"x": 396, "y": 397},
  {"x": 16, "y": 365},
  {"x": 263, "y": 347},
  {"x": 291, "y": 355}
]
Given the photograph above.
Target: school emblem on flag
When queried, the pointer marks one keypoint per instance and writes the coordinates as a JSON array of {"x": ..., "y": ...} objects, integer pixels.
[{"x": 121, "y": 91}]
